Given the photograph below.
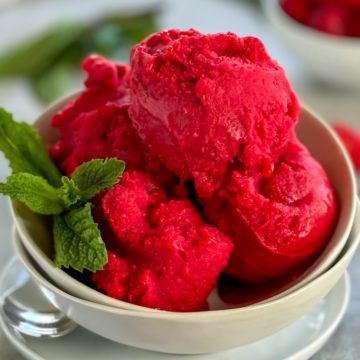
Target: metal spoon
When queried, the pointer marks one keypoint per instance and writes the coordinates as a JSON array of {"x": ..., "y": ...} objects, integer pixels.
[{"x": 28, "y": 311}]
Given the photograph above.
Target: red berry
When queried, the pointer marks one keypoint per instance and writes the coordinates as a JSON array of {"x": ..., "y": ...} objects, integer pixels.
[
  {"x": 345, "y": 4},
  {"x": 298, "y": 10},
  {"x": 351, "y": 140},
  {"x": 330, "y": 18},
  {"x": 354, "y": 28},
  {"x": 349, "y": 3}
]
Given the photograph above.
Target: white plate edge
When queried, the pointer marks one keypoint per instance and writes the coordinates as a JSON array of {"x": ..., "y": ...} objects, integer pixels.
[
  {"x": 313, "y": 347},
  {"x": 304, "y": 353}
]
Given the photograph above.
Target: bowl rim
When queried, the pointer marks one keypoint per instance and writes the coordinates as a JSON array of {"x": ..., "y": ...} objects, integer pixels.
[
  {"x": 331, "y": 256},
  {"x": 204, "y": 316},
  {"x": 346, "y": 158},
  {"x": 312, "y": 347},
  {"x": 278, "y": 14}
]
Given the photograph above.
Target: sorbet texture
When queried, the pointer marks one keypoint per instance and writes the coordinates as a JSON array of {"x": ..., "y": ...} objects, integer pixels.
[
  {"x": 208, "y": 100},
  {"x": 275, "y": 222},
  {"x": 170, "y": 259},
  {"x": 215, "y": 178}
]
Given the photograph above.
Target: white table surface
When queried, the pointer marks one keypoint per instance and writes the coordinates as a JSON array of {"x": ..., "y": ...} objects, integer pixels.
[{"x": 332, "y": 104}]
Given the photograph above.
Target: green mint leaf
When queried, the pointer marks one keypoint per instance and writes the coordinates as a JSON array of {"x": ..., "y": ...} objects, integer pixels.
[
  {"x": 78, "y": 241},
  {"x": 55, "y": 82},
  {"x": 35, "y": 55},
  {"x": 96, "y": 175},
  {"x": 35, "y": 192},
  {"x": 24, "y": 149},
  {"x": 70, "y": 193}
]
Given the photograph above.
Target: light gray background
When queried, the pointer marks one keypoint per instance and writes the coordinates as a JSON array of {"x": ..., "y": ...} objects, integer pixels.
[{"x": 207, "y": 16}]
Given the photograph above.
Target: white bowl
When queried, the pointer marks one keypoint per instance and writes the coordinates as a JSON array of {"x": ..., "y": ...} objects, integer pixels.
[
  {"x": 314, "y": 133},
  {"x": 196, "y": 332},
  {"x": 335, "y": 59}
]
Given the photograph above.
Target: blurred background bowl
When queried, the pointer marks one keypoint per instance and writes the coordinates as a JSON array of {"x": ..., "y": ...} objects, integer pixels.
[
  {"x": 195, "y": 332},
  {"x": 332, "y": 59}
]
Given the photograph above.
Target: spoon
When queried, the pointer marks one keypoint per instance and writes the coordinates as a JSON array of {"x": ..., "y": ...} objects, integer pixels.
[{"x": 29, "y": 312}]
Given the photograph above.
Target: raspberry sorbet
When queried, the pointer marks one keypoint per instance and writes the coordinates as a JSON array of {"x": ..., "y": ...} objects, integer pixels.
[{"x": 215, "y": 178}]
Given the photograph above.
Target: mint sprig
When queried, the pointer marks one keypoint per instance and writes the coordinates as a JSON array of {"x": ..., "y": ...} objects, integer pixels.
[
  {"x": 70, "y": 193},
  {"x": 37, "y": 183},
  {"x": 35, "y": 192},
  {"x": 23, "y": 147},
  {"x": 78, "y": 241},
  {"x": 97, "y": 175}
]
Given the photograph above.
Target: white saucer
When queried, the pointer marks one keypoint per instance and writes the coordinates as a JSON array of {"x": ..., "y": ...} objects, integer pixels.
[{"x": 298, "y": 341}]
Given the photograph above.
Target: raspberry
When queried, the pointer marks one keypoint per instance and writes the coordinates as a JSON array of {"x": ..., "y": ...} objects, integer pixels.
[
  {"x": 329, "y": 18},
  {"x": 298, "y": 10},
  {"x": 351, "y": 140}
]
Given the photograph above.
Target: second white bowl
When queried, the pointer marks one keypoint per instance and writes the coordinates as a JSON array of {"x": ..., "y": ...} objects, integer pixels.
[
  {"x": 197, "y": 332},
  {"x": 335, "y": 59}
]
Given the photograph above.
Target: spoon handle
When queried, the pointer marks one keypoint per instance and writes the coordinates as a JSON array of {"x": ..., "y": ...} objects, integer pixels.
[{"x": 28, "y": 311}]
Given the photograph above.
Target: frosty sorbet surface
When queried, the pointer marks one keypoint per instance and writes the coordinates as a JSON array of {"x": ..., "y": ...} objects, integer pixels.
[{"x": 215, "y": 178}]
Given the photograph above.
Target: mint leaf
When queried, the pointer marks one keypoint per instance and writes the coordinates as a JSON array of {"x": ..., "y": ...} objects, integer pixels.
[
  {"x": 36, "y": 55},
  {"x": 35, "y": 192},
  {"x": 37, "y": 183},
  {"x": 24, "y": 149},
  {"x": 78, "y": 241},
  {"x": 96, "y": 175},
  {"x": 70, "y": 193}
]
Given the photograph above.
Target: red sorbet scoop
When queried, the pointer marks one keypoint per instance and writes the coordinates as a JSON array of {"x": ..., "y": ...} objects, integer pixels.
[
  {"x": 276, "y": 222},
  {"x": 96, "y": 124},
  {"x": 166, "y": 256},
  {"x": 217, "y": 112},
  {"x": 201, "y": 101}
]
